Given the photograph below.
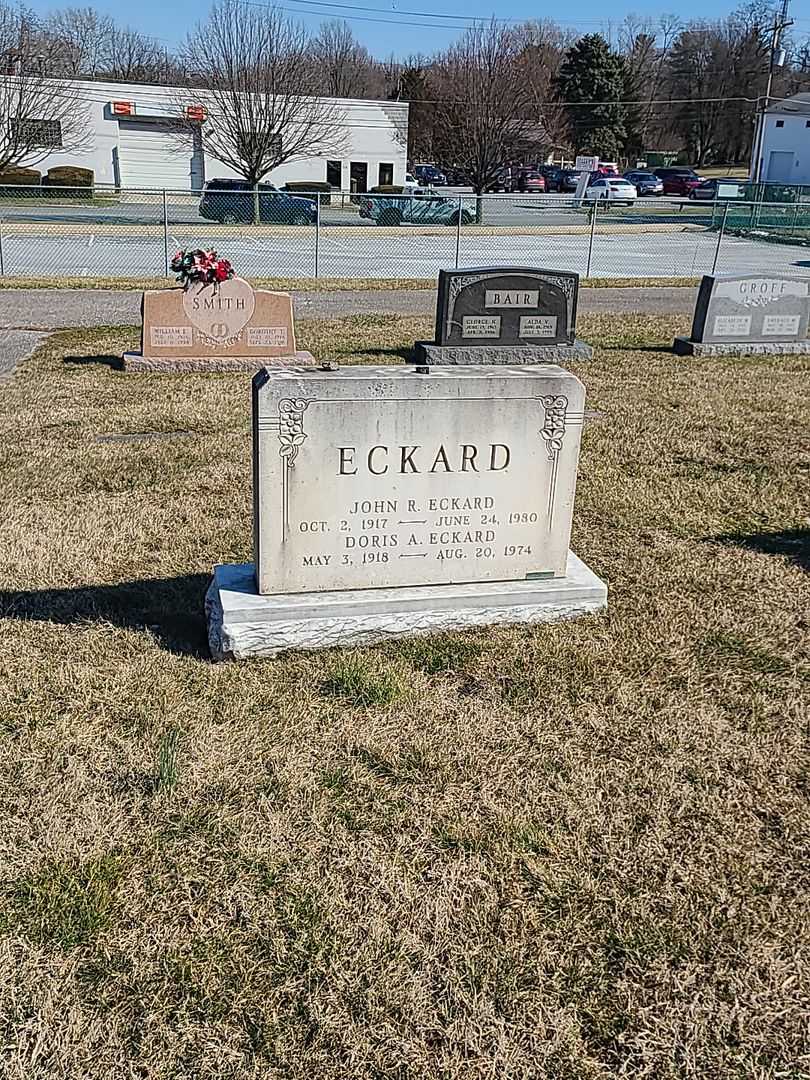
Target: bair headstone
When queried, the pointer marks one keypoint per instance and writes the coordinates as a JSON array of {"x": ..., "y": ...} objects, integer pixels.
[
  {"x": 225, "y": 327},
  {"x": 749, "y": 314},
  {"x": 504, "y": 315},
  {"x": 389, "y": 502}
]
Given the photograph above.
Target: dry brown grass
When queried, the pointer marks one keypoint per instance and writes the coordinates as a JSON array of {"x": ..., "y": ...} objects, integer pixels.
[
  {"x": 570, "y": 852},
  {"x": 315, "y": 284}
]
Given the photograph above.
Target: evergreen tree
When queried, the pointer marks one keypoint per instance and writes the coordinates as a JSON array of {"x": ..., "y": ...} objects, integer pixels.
[{"x": 592, "y": 73}]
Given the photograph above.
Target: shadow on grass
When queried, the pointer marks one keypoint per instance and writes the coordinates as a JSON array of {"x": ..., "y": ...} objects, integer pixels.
[
  {"x": 402, "y": 353},
  {"x": 100, "y": 358},
  {"x": 793, "y": 544},
  {"x": 170, "y": 608}
]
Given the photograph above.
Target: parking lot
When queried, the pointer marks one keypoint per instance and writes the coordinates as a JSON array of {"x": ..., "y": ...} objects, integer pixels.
[{"x": 134, "y": 234}]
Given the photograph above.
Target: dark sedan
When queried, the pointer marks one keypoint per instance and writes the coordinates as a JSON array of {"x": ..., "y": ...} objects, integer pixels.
[
  {"x": 234, "y": 202},
  {"x": 569, "y": 178},
  {"x": 722, "y": 187},
  {"x": 645, "y": 183}
]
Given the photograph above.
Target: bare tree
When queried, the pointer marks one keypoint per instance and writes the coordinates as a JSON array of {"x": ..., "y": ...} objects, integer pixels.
[
  {"x": 260, "y": 108},
  {"x": 134, "y": 57},
  {"x": 40, "y": 115},
  {"x": 78, "y": 42},
  {"x": 345, "y": 68},
  {"x": 486, "y": 113},
  {"x": 543, "y": 45}
]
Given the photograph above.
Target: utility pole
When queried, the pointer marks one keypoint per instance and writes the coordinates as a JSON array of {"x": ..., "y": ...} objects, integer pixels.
[{"x": 776, "y": 59}]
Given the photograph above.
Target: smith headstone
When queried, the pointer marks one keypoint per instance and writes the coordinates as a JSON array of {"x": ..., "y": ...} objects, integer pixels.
[
  {"x": 749, "y": 314},
  {"x": 226, "y": 327},
  {"x": 389, "y": 502},
  {"x": 504, "y": 315}
]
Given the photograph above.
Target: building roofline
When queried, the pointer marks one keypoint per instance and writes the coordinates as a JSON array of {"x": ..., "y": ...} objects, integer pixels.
[{"x": 798, "y": 105}]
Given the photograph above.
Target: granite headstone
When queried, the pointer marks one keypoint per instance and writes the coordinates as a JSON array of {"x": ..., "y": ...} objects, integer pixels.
[
  {"x": 749, "y": 314},
  {"x": 389, "y": 502},
  {"x": 504, "y": 315},
  {"x": 225, "y": 327}
]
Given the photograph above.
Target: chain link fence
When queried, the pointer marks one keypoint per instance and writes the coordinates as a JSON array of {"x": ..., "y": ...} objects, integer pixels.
[{"x": 271, "y": 234}]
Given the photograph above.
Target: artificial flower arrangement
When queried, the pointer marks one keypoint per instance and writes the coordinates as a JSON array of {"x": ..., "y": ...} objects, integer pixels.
[{"x": 200, "y": 267}]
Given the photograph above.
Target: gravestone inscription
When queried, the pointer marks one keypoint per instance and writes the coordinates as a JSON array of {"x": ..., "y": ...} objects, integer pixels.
[
  {"x": 749, "y": 314},
  {"x": 388, "y": 502},
  {"x": 228, "y": 326},
  {"x": 504, "y": 315}
]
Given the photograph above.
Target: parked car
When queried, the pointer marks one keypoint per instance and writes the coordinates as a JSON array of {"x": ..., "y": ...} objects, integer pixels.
[
  {"x": 645, "y": 183},
  {"x": 569, "y": 178},
  {"x": 724, "y": 187},
  {"x": 613, "y": 189},
  {"x": 678, "y": 180},
  {"x": 552, "y": 174},
  {"x": 412, "y": 185},
  {"x": 233, "y": 201},
  {"x": 528, "y": 180},
  {"x": 429, "y": 176},
  {"x": 457, "y": 177},
  {"x": 420, "y": 210}
]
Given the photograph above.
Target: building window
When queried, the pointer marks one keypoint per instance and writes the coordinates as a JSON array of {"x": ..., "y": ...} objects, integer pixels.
[
  {"x": 334, "y": 173},
  {"x": 807, "y": 123},
  {"x": 385, "y": 174},
  {"x": 780, "y": 123},
  {"x": 45, "y": 133}
]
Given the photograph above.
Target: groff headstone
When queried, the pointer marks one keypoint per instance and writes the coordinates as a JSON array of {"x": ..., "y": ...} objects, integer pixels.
[
  {"x": 229, "y": 326},
  {"x": 504, "y": 315},
  {"x": 749, "y": 314},
  {"x": 389, "y": 503}
]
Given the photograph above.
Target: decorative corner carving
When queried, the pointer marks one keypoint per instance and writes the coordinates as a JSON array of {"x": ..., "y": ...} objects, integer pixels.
[
  {"x": 553, "y": 430},
  {"x": 291, "y": 432}
]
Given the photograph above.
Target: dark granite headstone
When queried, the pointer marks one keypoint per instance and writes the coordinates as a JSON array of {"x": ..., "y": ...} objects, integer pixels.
[
  {"x": 749, "y": 313},
  {"x": 504, "y": 315}
]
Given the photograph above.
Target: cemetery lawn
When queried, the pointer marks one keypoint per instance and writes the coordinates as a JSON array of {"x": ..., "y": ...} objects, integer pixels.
[{"x": 569, "y": 852}]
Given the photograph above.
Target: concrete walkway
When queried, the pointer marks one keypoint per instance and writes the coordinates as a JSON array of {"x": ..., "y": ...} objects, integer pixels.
[{"x": 27, "y": 315}]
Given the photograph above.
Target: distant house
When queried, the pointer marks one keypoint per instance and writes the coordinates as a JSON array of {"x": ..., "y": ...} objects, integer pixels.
[{"x": 783, "y": 137}]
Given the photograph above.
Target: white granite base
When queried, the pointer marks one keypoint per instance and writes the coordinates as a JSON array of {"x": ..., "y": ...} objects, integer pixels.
[
  {"x": 427, "y": 352},
  {"x": 192, "y": 365},
  {"x": 242, "y": 624},
  {"x": 686, "y": 347}
]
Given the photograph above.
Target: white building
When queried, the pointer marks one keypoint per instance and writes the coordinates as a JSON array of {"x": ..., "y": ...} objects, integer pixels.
[
  {"x": 131, "y": 142},
  {"x": 783, "y": 138}
]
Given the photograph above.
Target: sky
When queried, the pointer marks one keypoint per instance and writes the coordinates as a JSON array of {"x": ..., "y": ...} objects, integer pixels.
[{"x": 387, "y": 27}]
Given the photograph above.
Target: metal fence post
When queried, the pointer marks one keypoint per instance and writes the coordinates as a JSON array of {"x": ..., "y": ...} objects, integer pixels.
[
  {"x": 458, "y": 230},
  {"x": 720, "y": 238},
  {"x": 2, "y": 261},
  {"x": 590, "y": 238},
  {"x": 166, "y": 260},
  {"x": 317, "y": 234}
]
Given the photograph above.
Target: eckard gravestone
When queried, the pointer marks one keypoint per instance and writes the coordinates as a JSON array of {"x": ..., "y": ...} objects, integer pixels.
[
  {"x": 749, "y": 314},
  {"x": 389, "y": 502},
  {"x": 504, "y": 315}
]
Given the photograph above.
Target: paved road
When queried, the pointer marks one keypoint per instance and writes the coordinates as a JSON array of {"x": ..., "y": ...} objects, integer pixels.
[
  {"x": 344, "y": 253},
  {"x": 16, "y": 346},
  {"x": 551, "y": 209},
  {"x": 52, "y": 309}
]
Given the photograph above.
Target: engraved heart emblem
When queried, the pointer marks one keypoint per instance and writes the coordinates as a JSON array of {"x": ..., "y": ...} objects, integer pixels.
[{"x": 220, "y": 312}]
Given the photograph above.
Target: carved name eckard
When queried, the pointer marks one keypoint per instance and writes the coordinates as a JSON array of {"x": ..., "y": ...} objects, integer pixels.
[{"x": 379, "y": 459}]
